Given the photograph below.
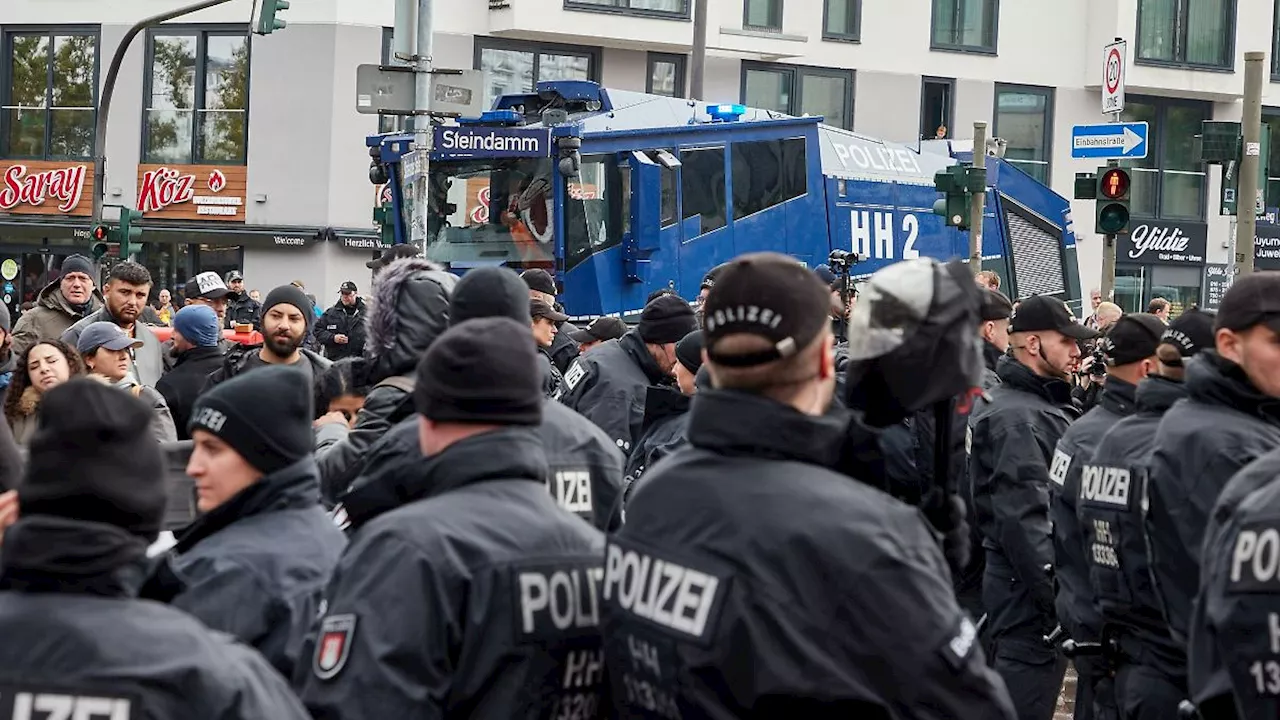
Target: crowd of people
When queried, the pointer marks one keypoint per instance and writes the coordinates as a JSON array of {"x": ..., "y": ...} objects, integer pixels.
[{"x": 793, "y": 497}]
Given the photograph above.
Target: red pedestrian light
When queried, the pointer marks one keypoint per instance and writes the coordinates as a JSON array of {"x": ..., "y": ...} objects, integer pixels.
[
  {"x": 1114, "y": 184},
  {"x": 100, "y": 232}
]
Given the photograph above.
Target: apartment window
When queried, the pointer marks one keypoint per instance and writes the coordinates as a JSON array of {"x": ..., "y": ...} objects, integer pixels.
[
  {"x": 666, "y": 75},
  {"x": 1187, "y": 32},
  {"x": 800, "y": 90},
  {"x": 197, "y": 97},
  {"x": 1271, "y": 118},
  {"x": 842, "y": 20},
  {"x": 1024, "y": 119},
  {"x": 1169, "y": 182},
  {"x": 50, "y": 94},
  {"x": 965, "y": 25},
  {"x": 668, "y": 8},
  {"x": 936, "y": 109},
  {"x": 390, "y": 123},
  {"x": 517, "y": 67},
  {"x": 1275, "y": 44},
  {"x": 762, "y": 14}
]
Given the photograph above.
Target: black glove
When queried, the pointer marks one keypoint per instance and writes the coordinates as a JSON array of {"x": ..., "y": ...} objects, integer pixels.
[{"x": 946, "y": 513}]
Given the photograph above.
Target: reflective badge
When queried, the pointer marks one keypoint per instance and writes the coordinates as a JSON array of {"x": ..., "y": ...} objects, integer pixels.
[
  {"x": 957, "y": 648},
  {"x": 334, "y": 646},
  {"x": 574, "y": 375},
  {"x": 1058, "y": 470}
]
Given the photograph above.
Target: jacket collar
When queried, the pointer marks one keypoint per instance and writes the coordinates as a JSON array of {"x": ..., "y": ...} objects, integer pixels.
[
  {"x": 197, "y": 353},
  {"x": 661, "y": 403},
  {"x": 734, "y": 423},
  {"x": 1119, "y": 396},
  {"x": 510, "y": 453},
  {"x": 1019, "y": 377},
  {"x": 991, "y": 355},
  {"x": 293, "y": 487},
  {"x": 1215, "y": 380},
  {"x": 1157, "y": 393},
  {"x": 636, "y": 349},
  {"x": 49, "y": 554},
  {"x": 52, "y": 298}
]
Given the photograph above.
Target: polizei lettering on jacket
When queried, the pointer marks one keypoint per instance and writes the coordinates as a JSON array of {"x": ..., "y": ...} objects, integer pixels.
[
  {"x": 1255, "y": 559},
  {"x": 22, "y": 704},
  {"x": 666, "y": 594},
  {"x": 1108, "y": 485},
  {"x": 558, "y": 600}
]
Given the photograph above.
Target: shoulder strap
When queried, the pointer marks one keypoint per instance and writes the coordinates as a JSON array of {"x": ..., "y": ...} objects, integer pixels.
[{"x": 400, "y": 382}]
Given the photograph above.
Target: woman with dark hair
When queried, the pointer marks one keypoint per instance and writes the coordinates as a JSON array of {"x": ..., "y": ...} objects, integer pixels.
[
  {"x": 40, "y": 368},
  {"x": 342, "y": 389}
]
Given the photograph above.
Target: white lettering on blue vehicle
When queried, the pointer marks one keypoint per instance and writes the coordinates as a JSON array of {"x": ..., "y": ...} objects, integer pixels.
[{"x": 871, "y": 234}]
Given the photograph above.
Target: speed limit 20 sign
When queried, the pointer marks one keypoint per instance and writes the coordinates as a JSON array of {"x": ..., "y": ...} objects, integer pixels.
[{"x": 1113, "y": 59}]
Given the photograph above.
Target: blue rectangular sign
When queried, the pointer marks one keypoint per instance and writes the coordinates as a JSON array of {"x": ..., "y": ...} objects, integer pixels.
[
  {"x": 453, "y": 142},
  {"x": 1109, "y": 140}
]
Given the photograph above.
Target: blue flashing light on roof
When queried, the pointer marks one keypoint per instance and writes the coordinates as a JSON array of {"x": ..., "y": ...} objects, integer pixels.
[
  {"x": 726, "y": 113},
  {"x": 494, "y": 117}
]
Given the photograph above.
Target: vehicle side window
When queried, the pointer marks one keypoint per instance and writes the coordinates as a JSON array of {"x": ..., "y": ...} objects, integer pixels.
[
  {"x": 702, "y": 182},
  {"x": 767, "y": 173}
]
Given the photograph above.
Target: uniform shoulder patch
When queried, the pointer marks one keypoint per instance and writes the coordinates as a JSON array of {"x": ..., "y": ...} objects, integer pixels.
[
  {"x": 957, "y": 648},
  {"x": 1058, "y": 469},
  {"x": 333, "y": 646},
  {"x": 574, "y": 374}
]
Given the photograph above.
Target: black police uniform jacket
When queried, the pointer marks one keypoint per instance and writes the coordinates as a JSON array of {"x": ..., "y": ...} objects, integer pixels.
[
  {"x": 563, "y": 348},
  {"x": 244, "y": 310},
  {"x": 184, "y": 383},
  {"x": 476, "y": 599},
  {"x": 256, "y": 565},
  {"x": 751, "y": 581},
  {"x": 1074, "y": 601},
  {"x": 1224, "y": 424},
  {"x": 1234, "y": 644},
  {"x": 607, "y": 386},
  {"x": 342, "y": 320},
  {"x": 666, "y": 429},
  {"x": 1118, "y": 566},
  {"x": 78, "y": 640},
  {"x": 1011, "y": 442}
]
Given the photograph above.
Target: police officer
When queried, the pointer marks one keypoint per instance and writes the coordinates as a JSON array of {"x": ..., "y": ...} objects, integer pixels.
[
  {"x": 666, "y": 410},
  {"x": 1149, "y": 669},
  {"x": 1011, "y": 442},
  {"x": 546, "y": 320},
  {"x": 478, "y": 597},
  {"x": 543, "y": 287},
  {"x": 608, "y": 384},
  {"x": 241, "y": 309},
  {"x": 1230, "y": 418},
  {"x": 78, "y": 643},
  {"x": 1130, "y": 351},
  {"x": 836, "y": 602}
]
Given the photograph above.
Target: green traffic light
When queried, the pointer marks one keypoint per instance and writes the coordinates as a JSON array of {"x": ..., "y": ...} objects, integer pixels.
[{"x": 1113, "y": 218}]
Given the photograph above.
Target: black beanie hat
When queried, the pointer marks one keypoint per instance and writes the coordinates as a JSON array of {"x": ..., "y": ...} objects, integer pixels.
[
  {"x": 289, "y": 295},
  {"x": 489, "y": 292},
  {"x": 667, "y": 319},
  {"x": 689, "y": 351},
  {"x": 77, "y": 263},
  {"x": 481, "y": 371},
  {"x": 93, "y": 458},
  {"x": 268, "y": 435}
]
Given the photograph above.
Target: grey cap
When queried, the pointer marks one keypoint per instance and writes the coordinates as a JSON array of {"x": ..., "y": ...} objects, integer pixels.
[{"x": 107, "y": 335}]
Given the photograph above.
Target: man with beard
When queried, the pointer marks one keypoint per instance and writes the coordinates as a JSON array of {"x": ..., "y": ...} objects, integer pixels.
[
  {"x": 240, "y": 307},
  {"x": 286, "y": 318},
  {"x": 60, "y": 304},
  {"x": 126, "y": 292}
]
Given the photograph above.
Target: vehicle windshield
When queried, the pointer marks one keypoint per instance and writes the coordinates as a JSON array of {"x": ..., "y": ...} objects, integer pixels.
[{"x": 492, "y": 211}]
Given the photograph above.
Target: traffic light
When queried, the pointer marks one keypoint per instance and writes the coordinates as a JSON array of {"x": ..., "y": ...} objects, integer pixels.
[
  {"x": 128, "y": 234},
  {"x": 1113, "y": 201},
  {"x": 958, "y": 184},
  {"x": 266, "y": 21},
  {"x": 101, "y": 235}
]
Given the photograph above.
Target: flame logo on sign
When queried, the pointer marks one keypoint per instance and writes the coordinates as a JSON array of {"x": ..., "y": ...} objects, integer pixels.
[{"x": 217, "y": 181}]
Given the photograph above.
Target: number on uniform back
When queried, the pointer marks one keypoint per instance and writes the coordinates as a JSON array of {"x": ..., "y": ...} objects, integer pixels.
[{"x": 25, "y": 704}]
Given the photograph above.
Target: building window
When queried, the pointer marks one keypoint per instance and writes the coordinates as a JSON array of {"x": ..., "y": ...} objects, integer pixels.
[
  {"x": 1275, "y": 44},
  {"x": 666, "y": 75},
  {"x": 391, "y": 123},
  {"x": 936, "y": 109},
  {"x": 1024, "y": 119},
  {"x": 197, "y": 97},
  {"x": 762, "y": 14},
  {"x": 660, "y": 8},
  {"x": 800, "y": 90},
  {"x": 1169, "y": 182},
  {"x": 965, "y": 25},
  {"x": 1273, "y": 158},
  {"x": 50, "y": 95},
  {"x": 842, "y": 20},
  {"x": 516, "y": 67},
  {"x": 1187, "y": 32}
]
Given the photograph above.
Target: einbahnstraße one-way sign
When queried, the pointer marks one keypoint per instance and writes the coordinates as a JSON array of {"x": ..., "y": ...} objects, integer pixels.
[{"x": 1109, "y": 140}]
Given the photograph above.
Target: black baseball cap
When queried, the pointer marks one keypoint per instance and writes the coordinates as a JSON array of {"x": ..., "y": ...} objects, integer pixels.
[
  {"x": 348, "y": 287},
  {"x": 1040, "y": 312},
  {"x": 1134, "y": 337},
  {"x": 709, "y": 280},
  {"x": 391, "y": 254},
  {"x": 768, "y": 295},
  {"x": 603, "y": 328},
  {"x": 539, "y": 309},
  {"x": 1190, "y": 332},
  {"x": 207, "y": 286},
  {"x": 540, "y": 280},
  {"x": 234, "y": 275},
  {"x": 1252, "y": 300},
  {"x": 995, "y": 306}
]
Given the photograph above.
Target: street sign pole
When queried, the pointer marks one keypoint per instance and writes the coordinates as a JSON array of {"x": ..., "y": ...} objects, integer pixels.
[
  {"x": 975, "y": 209},
  {"x": 1114, "y": 58},
  {"x": 1109, "y": 258},
  {"x": 422, "y": 119},
  {"x": 1246, "y": 200}
]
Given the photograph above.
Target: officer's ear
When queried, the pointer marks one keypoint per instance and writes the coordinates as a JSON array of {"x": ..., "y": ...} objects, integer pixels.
[{"x": 1230, "y": 345}]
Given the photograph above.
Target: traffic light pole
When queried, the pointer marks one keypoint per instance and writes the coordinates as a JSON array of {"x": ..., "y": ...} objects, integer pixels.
[
  {"x": 1251, "y": 127},
  {"x": 978, "y": 200},
  {"x": 109, "y": 88},
  {"x": 698, "y": 67},
  {"x": 1109, "y": 257},
  {"x": 422, "y": 118}
]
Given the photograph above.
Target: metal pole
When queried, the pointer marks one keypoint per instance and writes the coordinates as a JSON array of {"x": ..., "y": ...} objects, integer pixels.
[
  {"x": 109, "y": 89},
  {"x": 422, "y": 121},
  {"x": 1109, "y": 258},
  {"x": 975, "y": 216},
  {"x": 699, "y": 49},
  {"x": 402, "y": 35},
  {"x": 1246, "y": 214}
]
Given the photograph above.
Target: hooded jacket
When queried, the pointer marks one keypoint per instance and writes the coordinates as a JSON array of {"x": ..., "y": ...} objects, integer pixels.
[
  {"x": 410, "y": 310},
  {"x": 342, "y": 320},
  {"x": 50, "y": 318},
  {"x": 608, "y": 385},
  {"x": 77, "y": 635},
  {"x": 255, "y": 566},
  {"x": 147, "y": 365},
  {"x": 454, "y": 604}
]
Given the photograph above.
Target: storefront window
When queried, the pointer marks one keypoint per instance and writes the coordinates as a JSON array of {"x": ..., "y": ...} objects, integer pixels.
[
  {"x": 1179, "y": 285},
  {"x": 1129, "y": 284},
  {"x": 221, "y": 259}
]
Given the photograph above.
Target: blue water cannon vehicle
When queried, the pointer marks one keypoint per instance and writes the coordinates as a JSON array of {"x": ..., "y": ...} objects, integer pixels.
[{"x": 618, "y": 194}]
